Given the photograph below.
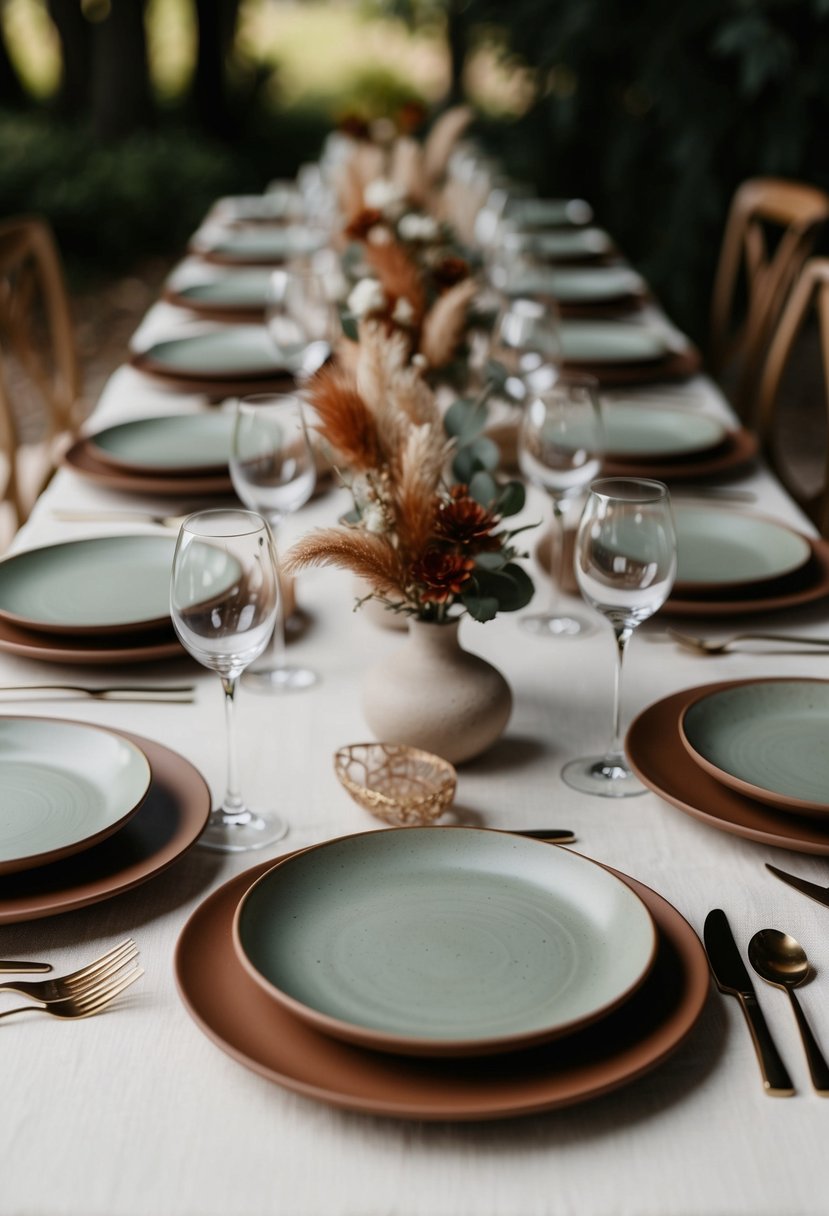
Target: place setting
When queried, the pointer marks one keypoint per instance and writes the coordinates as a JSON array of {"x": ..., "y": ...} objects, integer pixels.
[{"x": 331, "y": 1015}]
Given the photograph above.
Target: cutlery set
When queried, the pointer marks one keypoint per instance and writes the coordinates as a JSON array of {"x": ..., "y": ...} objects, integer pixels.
[
  {"x": 79, "y": 994},
  {"x": 725, "y": 645},
  {"x": 181, "y": 694},
  {"x": 782, "y": 962}
]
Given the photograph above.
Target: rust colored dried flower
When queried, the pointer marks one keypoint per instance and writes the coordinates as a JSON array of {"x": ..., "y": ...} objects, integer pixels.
[
  {"x": 411, "y": 116},
  {"x": 449, "y": 271},
  {"x": 355, "y": 126},
  {"x": 362, "y": 223},
  {"x": 441, "y": 575},
  {"x": 462, "y": 520}
]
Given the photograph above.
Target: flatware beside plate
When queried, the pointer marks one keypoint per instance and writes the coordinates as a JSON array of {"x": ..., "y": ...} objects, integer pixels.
[
  {"x": 99, "y": 972},
  {"x": 709, "y": 646},
  {"x": 733, "y": 979},
  {"x": 812, "y": 889},
  {"x": 781, "y": 961},
  {"x": 177, "y": 694},
  {"x": 119, "y": 517},
  {"x": 18, "y": 967}
]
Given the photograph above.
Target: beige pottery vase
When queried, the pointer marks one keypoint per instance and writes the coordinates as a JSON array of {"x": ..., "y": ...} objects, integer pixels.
[{"x": 434, "y": 695}]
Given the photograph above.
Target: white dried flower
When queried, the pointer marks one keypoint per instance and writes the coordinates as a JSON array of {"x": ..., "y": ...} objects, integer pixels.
[
  {"x": 368, "y": 296},
  {"x": 362, "y": 490},
  {"x": 403, "y": 312},
  {"x": 374, "y": 519},
  {"x": 383, "y": 195},
  {"x": 417, "y": 227}
]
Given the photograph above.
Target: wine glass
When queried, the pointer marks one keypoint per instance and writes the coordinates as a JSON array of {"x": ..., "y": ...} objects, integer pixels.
[
  {"x": 560, "y": 448},
  {"x": 525, "y": 342},
  {"x": 223, "y": 603},
  {"x": 301, "y": 316},
  {"x": 625, "y": 567},
  {"x": 273, "y": 471}
]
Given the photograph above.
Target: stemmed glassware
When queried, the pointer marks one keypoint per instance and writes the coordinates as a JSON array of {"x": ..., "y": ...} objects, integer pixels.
[
  {"x": 273, "y": 471},
  {"x": 560, "y": 449},
  {"x": 223, "y": 603},
  {"x": 525, "y": 342},
  {"x": 625, "y": 567},
  {"x": 301, "y": 316}
]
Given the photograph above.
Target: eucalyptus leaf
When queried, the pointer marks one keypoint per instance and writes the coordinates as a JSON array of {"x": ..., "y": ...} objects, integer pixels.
[
  {"x": 349, "y": 326},
  {"x": 511, "y": 499},
  {"x": 490, "y": 561},
  {"x": 480, "y": 607},
  {"x": 483, "y": 488},
  {"x": 465, "y": 419}
]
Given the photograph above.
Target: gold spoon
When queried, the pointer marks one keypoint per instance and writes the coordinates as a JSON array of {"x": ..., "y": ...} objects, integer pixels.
[{"x": 782, "y": 961}]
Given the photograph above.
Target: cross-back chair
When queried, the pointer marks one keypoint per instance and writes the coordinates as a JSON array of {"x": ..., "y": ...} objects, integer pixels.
[
  {"x": 809, "y": 298},
  {"x": 40, "y": 382},
  {"x": 770, "y": 232}
]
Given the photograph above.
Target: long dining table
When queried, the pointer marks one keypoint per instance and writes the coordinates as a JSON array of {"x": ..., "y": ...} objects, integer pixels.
[{"x": 136, "y": 1112}]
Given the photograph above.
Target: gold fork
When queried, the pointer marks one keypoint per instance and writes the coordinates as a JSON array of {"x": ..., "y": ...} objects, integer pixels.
[
  {"x": 85, "y": 1003},
  {"x": 707, "y": 646},
  {"x": 77, "y": 982}
]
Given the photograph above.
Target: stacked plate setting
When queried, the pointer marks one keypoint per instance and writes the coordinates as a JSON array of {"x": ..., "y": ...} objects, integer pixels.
[
  {"x": 559, "y": 978},
  {"x": 87, "y": 812},
  {"x": 745, "y": 756},
  {"x": 96, "y": 601},
  {"x": 732, "y": 563}
]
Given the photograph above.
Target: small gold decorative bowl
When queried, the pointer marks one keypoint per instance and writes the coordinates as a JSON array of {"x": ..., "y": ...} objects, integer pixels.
[{"x": 400, "y": 785}]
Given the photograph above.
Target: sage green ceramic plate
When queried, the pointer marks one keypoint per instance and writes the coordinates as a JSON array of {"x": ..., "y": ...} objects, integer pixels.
[
  {"x": 571, "y": 244},
  {"x": 107, "y": 584},
  {"x": 723, "y": 548},
  {"x": 260, "y": 244},
  {"x": 242, "y": 290},
  {"x": 233, "y": 352},
  {"x": 444, "y": 941},
  {"x": 171, "y": 443},
  {"x": 63, "y": 787},
  {"x": 766, "y": 739},
  {"x": 582, "y": 285},
  {"x": 610, "y": 342},
  {"x": 652, "y": 432},
  {"x": 549, "y": 212}
]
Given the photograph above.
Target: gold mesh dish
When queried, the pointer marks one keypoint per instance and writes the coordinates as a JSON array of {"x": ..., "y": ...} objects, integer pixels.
[{"x": 400, "y": 785}]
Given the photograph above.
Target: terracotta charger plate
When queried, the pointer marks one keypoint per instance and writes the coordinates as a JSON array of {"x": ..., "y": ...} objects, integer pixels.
[
  {"x": 661, "y": 761},
  {"x": 166, "y": 825},
  {"x": 677, "y": 365},
  {"x": 804, "y": 587},
  {"x": 233, "y": 1011},
  {"x": 739, "y": 449},
  {"x": 82, "y": 457},
  {"x": 89, "y": 652}
]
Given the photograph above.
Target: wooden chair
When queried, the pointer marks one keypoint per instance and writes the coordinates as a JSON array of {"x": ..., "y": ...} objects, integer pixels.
[
  {"x": 40, "y": 382},
  {"x": 776, "y": 401},
  {"x": 770, "y": 232}
]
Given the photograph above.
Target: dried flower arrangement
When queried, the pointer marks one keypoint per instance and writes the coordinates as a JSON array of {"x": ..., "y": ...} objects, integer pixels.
[{"x": 428, "y": 547}]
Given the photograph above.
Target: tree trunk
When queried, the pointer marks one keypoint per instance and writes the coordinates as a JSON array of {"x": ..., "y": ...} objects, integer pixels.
[
  {"x": 75, "y": 35},
  {"x": 216, "y": 31},
  {"x": 121, "y": 99}
]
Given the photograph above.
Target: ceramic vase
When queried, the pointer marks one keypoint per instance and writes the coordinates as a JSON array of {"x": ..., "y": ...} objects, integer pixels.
[{"x": 435, "y": 695}]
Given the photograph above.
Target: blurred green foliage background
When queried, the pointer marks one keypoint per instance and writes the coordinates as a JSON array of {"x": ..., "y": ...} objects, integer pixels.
[{"x": 653, "y": 112}]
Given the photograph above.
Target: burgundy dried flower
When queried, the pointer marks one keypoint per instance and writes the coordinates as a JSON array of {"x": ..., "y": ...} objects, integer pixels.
[
  {"x": 441, "y": 575},
  {"x": 449, "y": 271},
  {"x": 363, "y": 222},
  {"x": 463, "y": 521}
]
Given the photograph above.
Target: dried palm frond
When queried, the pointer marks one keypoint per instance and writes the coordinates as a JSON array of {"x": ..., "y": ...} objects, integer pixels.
[
  {"x": 414, "y": 487},
  {"x": 370, "y": 557},
  {"x": 349, "y": 190},
  {"x": 441, "y": 140},
  {"x": 344, "y": 419},
  {"x": 414, "y": 399},
  {"x": 398, "y": 275},
  {"x": 407, "y": 169},
  {"x": 444, "y": 324},
  {"x": 382, "y": 355}
]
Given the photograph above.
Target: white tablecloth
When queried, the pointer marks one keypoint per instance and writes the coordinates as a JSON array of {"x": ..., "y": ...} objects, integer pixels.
[{"x": 136, "y": 1113}]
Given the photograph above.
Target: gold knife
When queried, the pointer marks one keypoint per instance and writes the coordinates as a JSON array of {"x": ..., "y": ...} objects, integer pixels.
[
  {"x": 10, "y": 967},
  {"x": 821, "y": 894},
  {"x": 733, "y": 979}
]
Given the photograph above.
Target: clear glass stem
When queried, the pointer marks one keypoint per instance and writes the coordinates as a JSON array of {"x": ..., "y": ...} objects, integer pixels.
[
  {"x": 232, "y": 803},
  {"x": 556, "y": 557},
  {"x": 274, "y": 656},
  {"x": 623, "y": 634}
]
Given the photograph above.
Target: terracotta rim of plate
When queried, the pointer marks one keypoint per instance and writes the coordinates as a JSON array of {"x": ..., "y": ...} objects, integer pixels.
[
  {"x": 63, "y": 648},
  {"x": 411, "y": 1045},
  {"x": 82, "y": 458},
  {"x": 122, "y": 464},
  {"x": 811, "y": 584},
  {"x": 231, "y": 1009},
  {"x": 216, "y": 258},
  {"x": 216, "y": 312},
  {"x": 167, "y": 825},
  {"x": 739, "y": 448},
  {"x": 658, "y": 757},
  {"x": 782, "y": 802},
  {"x": 676, "y": 365},
  {"x": 77, "y": 846},
  {"x": 215, "y": 385}
]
